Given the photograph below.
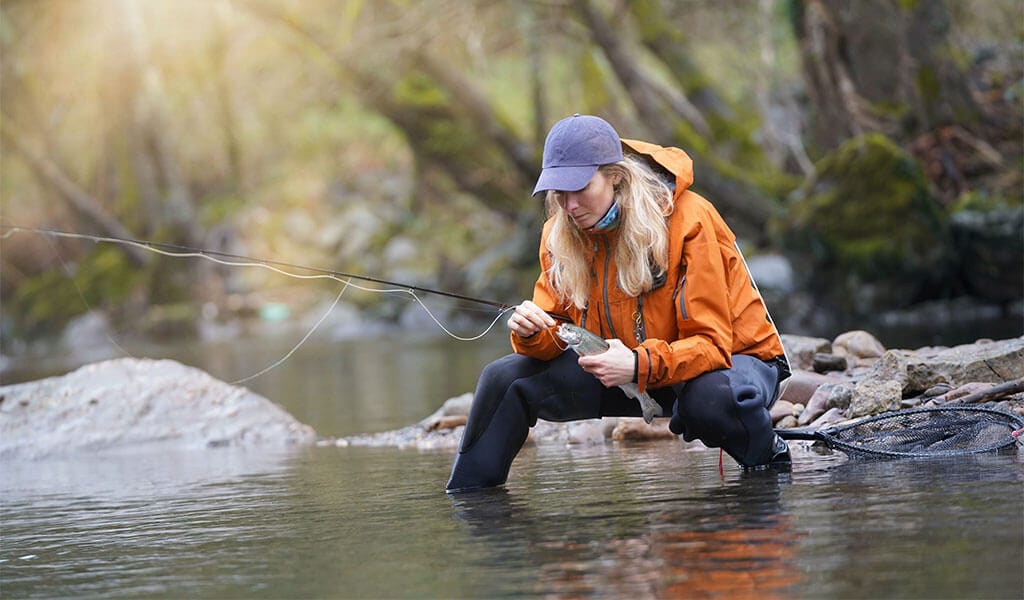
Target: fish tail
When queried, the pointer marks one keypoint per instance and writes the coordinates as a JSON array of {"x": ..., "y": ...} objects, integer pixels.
[{"x": 650, "y": 408}]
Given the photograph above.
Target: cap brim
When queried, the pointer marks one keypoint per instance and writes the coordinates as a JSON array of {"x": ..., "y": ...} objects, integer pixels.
[{"x": 564, "y": 179}]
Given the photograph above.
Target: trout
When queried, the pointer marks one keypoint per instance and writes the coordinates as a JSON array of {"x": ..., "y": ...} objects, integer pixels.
[{"x": 586, "y": 343}]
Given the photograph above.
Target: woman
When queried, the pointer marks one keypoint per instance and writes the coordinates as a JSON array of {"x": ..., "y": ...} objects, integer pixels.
[{"x": 630, "y": 253}]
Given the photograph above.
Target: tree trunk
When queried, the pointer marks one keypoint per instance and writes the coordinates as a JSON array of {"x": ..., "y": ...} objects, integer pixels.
[
  {"x": 447, "y": 122},
  {"x": 478, "y": 110},
  {"x": 878, "y": 66},
  {"x": 746, "y": 207},
  {"x": 150, "y": 120},
  {"x": 667, "y": 42},
  {"x": 943, "y": 88},
  {"x": 225, "y": 107},
  {"x": 80, "y": 202}
]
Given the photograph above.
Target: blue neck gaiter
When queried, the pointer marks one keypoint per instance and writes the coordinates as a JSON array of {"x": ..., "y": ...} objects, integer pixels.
[{"x": 609, "y": 221}]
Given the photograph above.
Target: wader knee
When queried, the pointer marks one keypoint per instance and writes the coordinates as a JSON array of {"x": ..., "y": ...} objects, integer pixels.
[{"x": 728, "y": 409}]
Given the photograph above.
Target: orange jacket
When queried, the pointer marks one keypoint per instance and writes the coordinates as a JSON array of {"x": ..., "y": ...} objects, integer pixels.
[{"x": 707, "y": 310}]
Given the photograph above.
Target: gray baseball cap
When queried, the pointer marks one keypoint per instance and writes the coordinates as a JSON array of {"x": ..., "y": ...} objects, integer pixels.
[{"x": 575, "y": 147}]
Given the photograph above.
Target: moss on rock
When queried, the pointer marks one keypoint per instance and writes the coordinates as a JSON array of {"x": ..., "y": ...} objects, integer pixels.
[{"x": 865, "y": 230}]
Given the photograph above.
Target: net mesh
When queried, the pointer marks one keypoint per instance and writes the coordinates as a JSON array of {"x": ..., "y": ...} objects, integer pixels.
[{"x": 941, "y": 431}]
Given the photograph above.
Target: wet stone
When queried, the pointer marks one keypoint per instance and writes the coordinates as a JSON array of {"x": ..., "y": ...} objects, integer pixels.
[{"x": 825, "y": 363}]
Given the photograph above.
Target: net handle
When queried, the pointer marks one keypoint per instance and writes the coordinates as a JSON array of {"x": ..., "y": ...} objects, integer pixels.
[{"x": 800, "y": 434}]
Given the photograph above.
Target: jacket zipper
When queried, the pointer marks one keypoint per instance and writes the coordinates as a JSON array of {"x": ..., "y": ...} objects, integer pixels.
[
  {"x": 593, "y": 274},
  {"x": 639, "y": 331},
  {"x": 604, "y": 291},
  {"x": 680, "y": 295}
]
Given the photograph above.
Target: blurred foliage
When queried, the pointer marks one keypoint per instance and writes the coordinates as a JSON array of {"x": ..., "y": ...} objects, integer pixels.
[
  {"x": 400, "y": 139},
  {"x": 103, "y": 279}
]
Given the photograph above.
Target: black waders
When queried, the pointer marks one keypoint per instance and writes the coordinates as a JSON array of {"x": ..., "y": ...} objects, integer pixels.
[{"x": 726, "y": 408}]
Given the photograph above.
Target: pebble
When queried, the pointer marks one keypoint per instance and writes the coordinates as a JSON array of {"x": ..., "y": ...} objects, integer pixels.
[
  {"x": 937, "y": 390},
  {"x": 824, "y": 363}
]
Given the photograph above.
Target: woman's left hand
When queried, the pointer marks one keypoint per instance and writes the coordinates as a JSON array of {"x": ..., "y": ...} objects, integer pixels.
[{"x": 612, "y": 367}]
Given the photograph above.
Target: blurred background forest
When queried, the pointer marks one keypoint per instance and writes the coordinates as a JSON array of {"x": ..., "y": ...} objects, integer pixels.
[{"x": 868, "y": 153}]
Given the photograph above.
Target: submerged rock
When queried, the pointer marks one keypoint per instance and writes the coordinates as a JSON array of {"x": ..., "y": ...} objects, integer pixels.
[{"x": 131, "y": 403}]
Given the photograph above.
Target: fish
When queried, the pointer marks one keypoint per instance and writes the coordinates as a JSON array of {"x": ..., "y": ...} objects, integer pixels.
[{"x": 585, "y": 343}]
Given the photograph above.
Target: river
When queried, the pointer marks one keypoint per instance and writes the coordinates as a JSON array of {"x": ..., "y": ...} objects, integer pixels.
[{"x": 618, "y": 520}]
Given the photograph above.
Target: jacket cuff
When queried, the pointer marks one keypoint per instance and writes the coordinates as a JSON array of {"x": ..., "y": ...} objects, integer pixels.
[
  {"x": 538, "y": 345},
  {"x": 643, "y": 367}
]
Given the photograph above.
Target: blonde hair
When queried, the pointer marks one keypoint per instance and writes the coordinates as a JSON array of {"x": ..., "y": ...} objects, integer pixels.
[{"x": 640, "y": 244}]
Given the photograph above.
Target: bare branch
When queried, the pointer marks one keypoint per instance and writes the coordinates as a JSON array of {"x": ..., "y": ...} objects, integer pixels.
[
  {"x": 81, "y": 202},
  {"x": 995, "y": 392}
]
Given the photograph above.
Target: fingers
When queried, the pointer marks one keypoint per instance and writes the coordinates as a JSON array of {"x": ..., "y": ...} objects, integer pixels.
[
  {"x": 528, "y": 319},
  {"x": 612, "y": 367},
  {"x": 617, "y": 345}
]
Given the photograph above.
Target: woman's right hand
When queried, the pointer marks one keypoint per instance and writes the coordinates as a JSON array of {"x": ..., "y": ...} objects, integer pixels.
[{"x": 528, "y": 319}]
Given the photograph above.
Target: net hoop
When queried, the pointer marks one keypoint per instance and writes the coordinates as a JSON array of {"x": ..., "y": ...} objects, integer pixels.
[{"x": 939, "y": 426}]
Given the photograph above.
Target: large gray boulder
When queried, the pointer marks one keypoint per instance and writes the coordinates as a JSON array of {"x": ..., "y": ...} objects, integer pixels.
[
  {"x": 984, "y": 361},
  {"x": 900, "y": 374},
  {"x": 129, "y": 404}
]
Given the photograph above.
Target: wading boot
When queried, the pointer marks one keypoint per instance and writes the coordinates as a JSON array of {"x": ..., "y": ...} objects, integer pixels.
[{"x": 780, "y": 460}]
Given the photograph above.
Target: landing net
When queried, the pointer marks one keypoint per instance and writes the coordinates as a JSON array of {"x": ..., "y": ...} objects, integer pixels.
[{"x": 939, "y": 431}]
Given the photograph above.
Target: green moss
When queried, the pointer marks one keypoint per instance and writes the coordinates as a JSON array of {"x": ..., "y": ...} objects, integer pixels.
[
  {"x": 735, "y": 155},
  {"x": 793, "y": 13},
  {"x": 651, "y": 21},
  {"x": 419, "y": 90},
  {"x": 928, "y": 84},
  {"x": 593, "y": 79},
  {"x": 219, "y": 208},
  {"x": 169, "y": 321},
  {"x": 868, "y": 219}
]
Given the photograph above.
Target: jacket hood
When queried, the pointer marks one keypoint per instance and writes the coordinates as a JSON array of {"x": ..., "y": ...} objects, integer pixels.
[{"x": 673, "y": 160}]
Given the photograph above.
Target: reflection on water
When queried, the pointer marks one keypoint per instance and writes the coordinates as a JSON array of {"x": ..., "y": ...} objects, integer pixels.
[
  {"x": 131, "y": 525},
  {"x": 962, "y": 519},
  {"x": 683, "y": 534},
  {"x": 746, "y": 551}
]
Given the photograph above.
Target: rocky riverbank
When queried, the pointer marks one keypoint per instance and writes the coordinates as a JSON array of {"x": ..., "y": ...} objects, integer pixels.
[
  {"x": 126, "y": 404},
  {"x": 849, "y": 377}
]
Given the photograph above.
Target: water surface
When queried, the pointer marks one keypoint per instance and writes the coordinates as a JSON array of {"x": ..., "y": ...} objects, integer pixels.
[
  {"x": 644, "y": 520},
  {"x": 616, "y": 520}
]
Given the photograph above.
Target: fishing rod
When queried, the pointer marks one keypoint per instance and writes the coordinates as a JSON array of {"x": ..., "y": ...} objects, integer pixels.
[
  {"x": 240, "y": 260},
  {"x": 165, "y": 246}
]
